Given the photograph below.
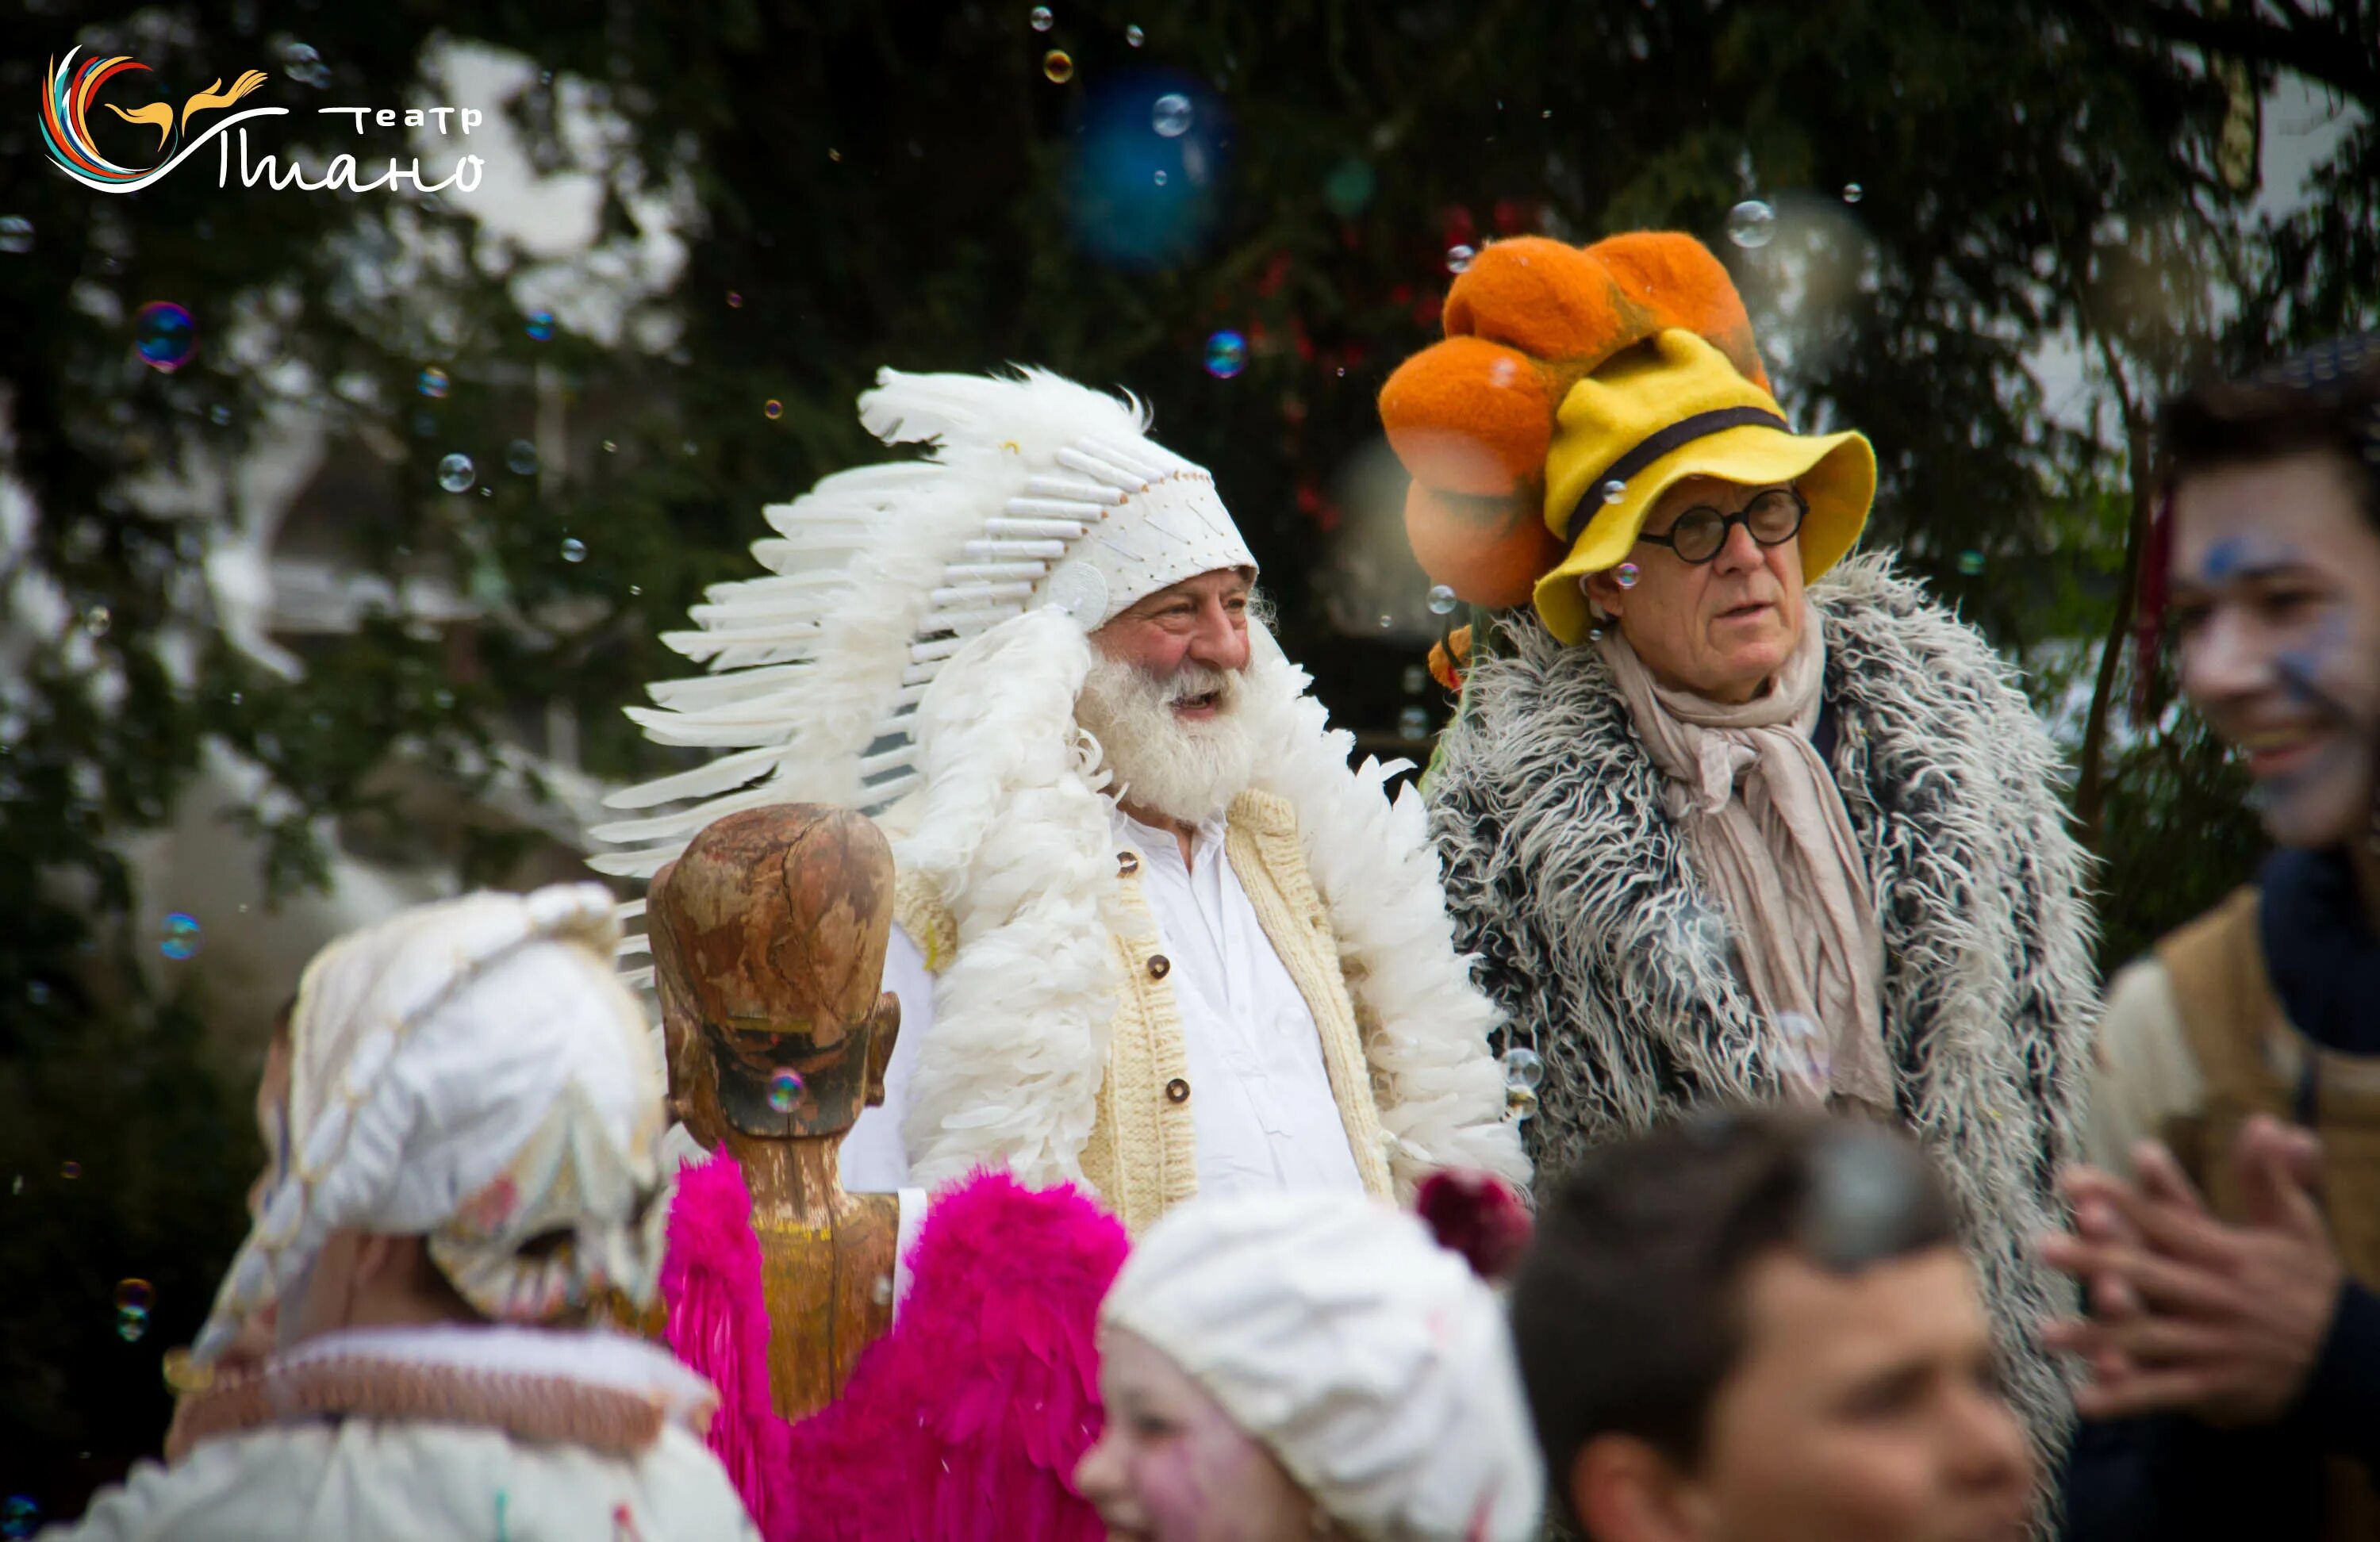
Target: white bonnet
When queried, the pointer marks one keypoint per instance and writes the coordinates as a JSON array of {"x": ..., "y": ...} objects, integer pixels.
[
  {"x": 472, "y": 1072},
  {"x": 1372, "y": 1363}
]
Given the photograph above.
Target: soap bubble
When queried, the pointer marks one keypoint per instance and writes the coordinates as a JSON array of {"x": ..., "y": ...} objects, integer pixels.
[
  {"x": 17, "y": 234},
  {"x": 1441, "y": 601},
  {"x": 1520, "y": 1102},
  {"x": 1227, "y": 354},
  {"x": 1170, "y": 115},
  {"x": 735, "y": 300},
  {"x": 1625, "y": 575},
  {"x": 785, "y": 1090},
  {"x": 1058, "y": 66},
  {"x": 69, "y": 1170},
  {"x": 1133, "y": 37},
  {"x": 1751, "y": 223},
  {"x": 1522, "y": 1068},
  {"x": 17, "y": 1513},
  {"x": 574, "y": 550},
  {"x": 1971, "y": 562},
  {"x": 219, "y": 413},
  {"x": 135, "y": 1293},
  {"x": 540, "y": 324},
  {"x": 456, "y": 473},
  {"x": 520, "y": 456},
  {"x": 1615, "y": 491},
  {"x": 431, "y": 383},
  {"x": 180, "y": 936},
  {"x": 1412, "y": 726},
  {"x": 165, "y": 334},
  {"x": 131, "y": 1322},
  {"x": 1458, "y": 258},
  {"x": 1853, "y": 192},
  {"x": 97, "y": 620},
  {"x": 1160, "y": 179},
  {"x": 1041, "y": 19},
  {"x": 1349, "y": 187},
  {"x": 772, "y": 409},
  {"x": 184, "y": 1374},
  {"x": 301, "y": 64}
]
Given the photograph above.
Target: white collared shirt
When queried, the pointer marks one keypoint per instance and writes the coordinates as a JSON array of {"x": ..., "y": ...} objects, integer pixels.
[{"x": 1262, "y": 1111}]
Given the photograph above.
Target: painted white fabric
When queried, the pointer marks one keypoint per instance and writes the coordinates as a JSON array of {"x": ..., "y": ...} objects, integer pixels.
[
  {"x": 1270, "y": 1124},
  {"x": 1333, "y": 1329},
  {"x": 381, "y": 1480},
  {"x": 1169, "y": 526}
]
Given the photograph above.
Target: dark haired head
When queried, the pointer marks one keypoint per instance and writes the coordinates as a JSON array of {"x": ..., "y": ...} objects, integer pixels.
[
  {"x": 2323, "y": 399},
  {"x": 1627, "y": 1312},
  {"x": 2326, "y": 398}
]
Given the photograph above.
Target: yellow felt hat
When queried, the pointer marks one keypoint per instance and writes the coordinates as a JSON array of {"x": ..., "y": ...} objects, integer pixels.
[{"x": 1667, "y": 409}]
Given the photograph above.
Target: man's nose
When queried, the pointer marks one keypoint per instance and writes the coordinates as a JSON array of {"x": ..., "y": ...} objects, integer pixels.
[
  {"x": 1220, "y": 641},
  {"x": 1093, "y": 1476},
  {"x": 2225, "y": 662},
  {"x": 1738, "y": 551},
  {"x": 1989, "y": 1446}
]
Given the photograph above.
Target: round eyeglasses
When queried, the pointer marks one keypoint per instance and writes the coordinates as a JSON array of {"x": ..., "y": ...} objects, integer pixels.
[{"x": 1774, "y": 517}]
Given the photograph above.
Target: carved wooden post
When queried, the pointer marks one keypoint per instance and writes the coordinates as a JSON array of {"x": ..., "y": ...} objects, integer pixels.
[{"x": 769, "y": 938}]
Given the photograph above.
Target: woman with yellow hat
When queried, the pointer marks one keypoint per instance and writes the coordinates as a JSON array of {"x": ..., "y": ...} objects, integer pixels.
[{"x": 1710, "y": 834}]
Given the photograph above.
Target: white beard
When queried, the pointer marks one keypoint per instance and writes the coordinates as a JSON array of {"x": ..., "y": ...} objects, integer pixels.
[{"x": 1189, "y": 771}]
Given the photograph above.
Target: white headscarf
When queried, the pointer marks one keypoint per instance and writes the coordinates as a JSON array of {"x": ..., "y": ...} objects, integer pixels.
[
  {"x": 471, "y": 1072},
  {"x": 1370, "y": 1361}
]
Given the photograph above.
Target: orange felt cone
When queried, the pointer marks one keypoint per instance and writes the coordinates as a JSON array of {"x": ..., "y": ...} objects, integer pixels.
[
  {"x": 1489, "y": 550},
  {"x": 1469, "y": 417}
]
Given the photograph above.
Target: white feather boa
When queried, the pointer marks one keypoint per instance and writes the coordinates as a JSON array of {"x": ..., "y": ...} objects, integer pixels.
[{"x": 1012, "y": 831}]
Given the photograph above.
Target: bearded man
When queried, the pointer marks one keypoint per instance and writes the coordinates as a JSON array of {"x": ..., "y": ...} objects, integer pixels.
[{"x": 1155, "y": 935}]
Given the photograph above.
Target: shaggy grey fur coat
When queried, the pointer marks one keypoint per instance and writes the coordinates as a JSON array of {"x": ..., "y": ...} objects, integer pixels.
[{"x": 1576, "y": 891}]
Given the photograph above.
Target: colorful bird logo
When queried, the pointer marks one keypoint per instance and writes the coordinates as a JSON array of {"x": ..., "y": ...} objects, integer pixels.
[{"x": 65, "y": 104}]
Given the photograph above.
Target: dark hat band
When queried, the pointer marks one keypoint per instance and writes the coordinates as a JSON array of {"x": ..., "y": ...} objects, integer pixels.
[{"x": 1686, "y": 430}]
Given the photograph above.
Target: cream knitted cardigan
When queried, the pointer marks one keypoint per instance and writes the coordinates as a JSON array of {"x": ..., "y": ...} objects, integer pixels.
[{"x": 1141, "y": 1155}]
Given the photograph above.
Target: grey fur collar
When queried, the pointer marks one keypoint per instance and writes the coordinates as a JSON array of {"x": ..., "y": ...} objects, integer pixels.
[{"x": 1574, "y": 890}]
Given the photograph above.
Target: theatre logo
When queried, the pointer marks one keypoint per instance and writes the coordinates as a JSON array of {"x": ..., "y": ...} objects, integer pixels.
[{"x": 70, "y": 93}]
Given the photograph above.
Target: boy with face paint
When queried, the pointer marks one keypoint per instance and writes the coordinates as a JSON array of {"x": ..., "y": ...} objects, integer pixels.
[{"x": 2242, "y": 1061}]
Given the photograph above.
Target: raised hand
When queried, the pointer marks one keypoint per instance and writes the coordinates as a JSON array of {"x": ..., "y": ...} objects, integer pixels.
[{"x": 2196, "y": 1315}]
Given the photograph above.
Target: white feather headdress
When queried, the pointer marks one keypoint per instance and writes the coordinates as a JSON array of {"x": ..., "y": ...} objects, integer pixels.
[{"x": 1037, "y": 493}]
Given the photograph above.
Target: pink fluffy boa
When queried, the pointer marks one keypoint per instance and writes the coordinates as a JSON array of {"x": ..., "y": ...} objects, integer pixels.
[{"x": 962, "y": 1425}]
